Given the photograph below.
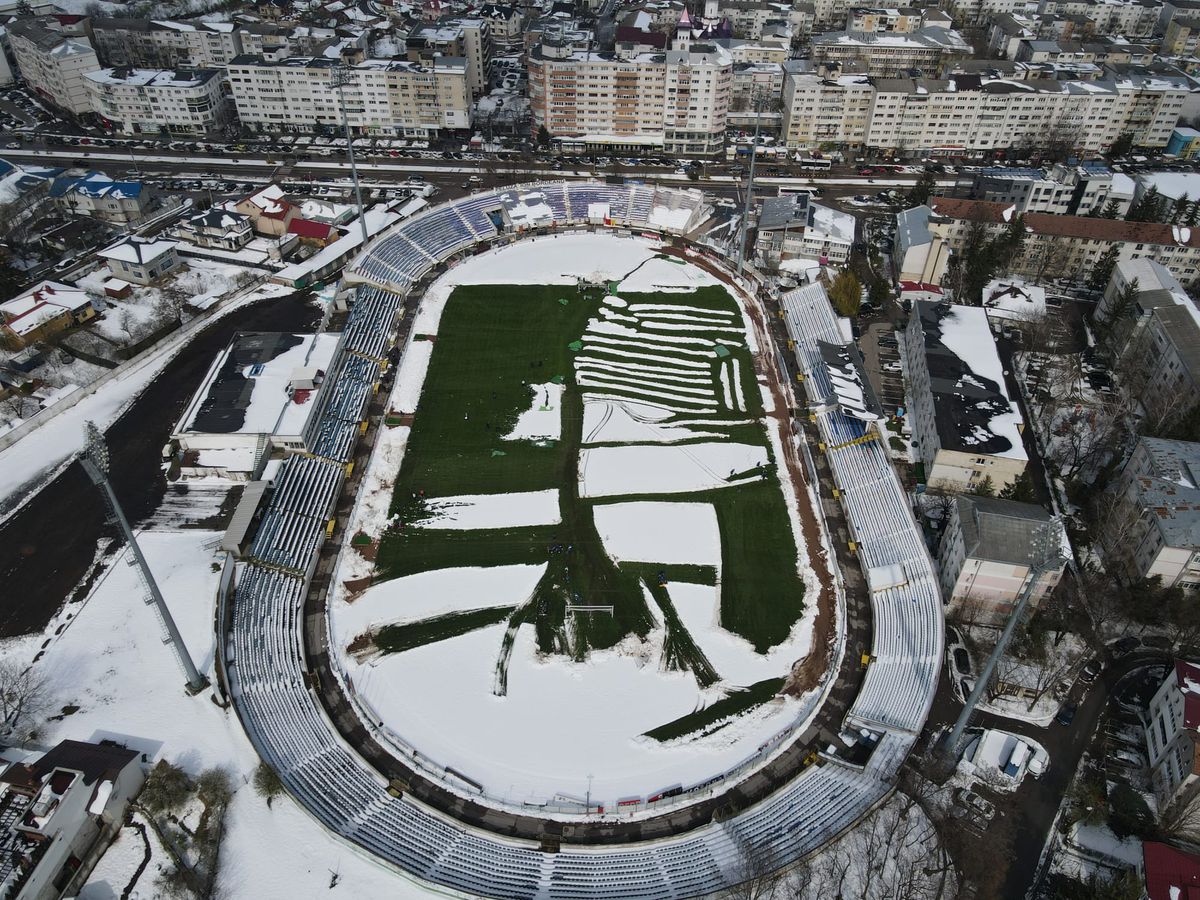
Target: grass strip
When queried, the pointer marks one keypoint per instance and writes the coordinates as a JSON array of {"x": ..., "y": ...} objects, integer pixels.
[
  {"x": 737, "y": 703},
  {"x": 398, "y": 638}
]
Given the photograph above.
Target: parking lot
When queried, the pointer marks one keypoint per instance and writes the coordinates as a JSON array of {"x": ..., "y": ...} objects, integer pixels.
[{"x": 881, "y": 358}]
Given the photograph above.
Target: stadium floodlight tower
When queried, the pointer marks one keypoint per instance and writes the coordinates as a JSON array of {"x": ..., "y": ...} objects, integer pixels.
[
  {"x": 759, "y": 101},
  {"x": 1047, "y": 554},
  {"x": 95, "y": 462},
  {"x": 339, "y": 77}
]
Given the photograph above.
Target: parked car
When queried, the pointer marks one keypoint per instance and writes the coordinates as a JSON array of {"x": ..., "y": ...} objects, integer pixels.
[
  {"x": 1066, "y": 714},
  {"x": 1125, "y": 645},
  {"x": 975, "y": 803},
  {"x": 1091, "y": 671}
]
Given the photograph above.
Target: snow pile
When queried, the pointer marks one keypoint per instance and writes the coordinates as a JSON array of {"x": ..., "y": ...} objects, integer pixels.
[
  {"x": 656, "y": 532},
  {"x": 543, "y": 420},
  {"x": 493, "y": 510},
  {"x": 667, "y": 469}
]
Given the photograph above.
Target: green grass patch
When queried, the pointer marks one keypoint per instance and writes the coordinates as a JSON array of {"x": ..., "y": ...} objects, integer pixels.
[
  {"x": 737, "y": 703},
  {"x": 398, "y": 638},
  {"x": 494, "y": 342},
  {"x": 680, "y": 650},
  {"x": 411, "y": 550}
]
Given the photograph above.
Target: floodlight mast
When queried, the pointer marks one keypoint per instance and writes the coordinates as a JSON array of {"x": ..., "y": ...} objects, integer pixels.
[
  {"x": 759, "y": 103},
  {"x": 95, "y": 462},
  {"x": 339, "y": 77}
]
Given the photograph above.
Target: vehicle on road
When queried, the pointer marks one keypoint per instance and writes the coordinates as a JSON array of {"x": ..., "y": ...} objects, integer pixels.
[
  {"x": 1125, "y": 645},
  {"x": 1066, "y": 714}
]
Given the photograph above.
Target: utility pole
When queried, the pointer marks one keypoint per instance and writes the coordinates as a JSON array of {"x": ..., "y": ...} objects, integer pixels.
[
  {"x": 1048, "y": 553},
  {"x": 339, "y": 77},
  {"x": 95, "y": 462},
  {"x": 759, "y": 102}
]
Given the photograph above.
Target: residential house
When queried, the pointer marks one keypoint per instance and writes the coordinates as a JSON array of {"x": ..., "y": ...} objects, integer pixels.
[
  {"x": 57, "y": 811},
  {"x": 141, "y": 260},
  {"x": 43, "y": 311},
  {"x": 216, "y": 227}
]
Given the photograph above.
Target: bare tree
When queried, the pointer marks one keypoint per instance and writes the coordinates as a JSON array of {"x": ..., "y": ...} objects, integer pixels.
[{"x": 24, "y": 695}]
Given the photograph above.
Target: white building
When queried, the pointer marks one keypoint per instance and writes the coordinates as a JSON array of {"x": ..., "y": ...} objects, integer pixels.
[
  {"x": 59, "y": 810},
  {"x": 147, "y": 101},
  {"x": 794, "y": 226},
  {"x": 1172, "y": 722},
  {"x": 1064, "y": 190},
  {"x": 467, "y": 38},
  {"x": 965, "y": 427},
  {"x": 676, "y": 101},
  {"x": 53, "y": 64},
  {"x": 263, "y": 389},
  {"x": 988, "y": 553},
  {"x": 920, "y": 254},
  {"x": 141, "y": 260},
  {"x": 385, "y": 97},
  {"x": 161, "y": 44},
  {"x": 821, "y": 109},
  {"x": 970, "y": 114}
]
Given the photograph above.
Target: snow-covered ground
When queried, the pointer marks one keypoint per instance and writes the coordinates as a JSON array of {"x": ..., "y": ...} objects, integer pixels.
[
  {"x": 106, "y": 656},
  {"x": 666, "y": 468},
  {"x": 649, "y": 531},
  {"x": 37, "y": 456},
  {"x": 493, "y": 510}
]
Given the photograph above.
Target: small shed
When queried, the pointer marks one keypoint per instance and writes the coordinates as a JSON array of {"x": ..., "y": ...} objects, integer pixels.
[{"x": 117, "y": 288}]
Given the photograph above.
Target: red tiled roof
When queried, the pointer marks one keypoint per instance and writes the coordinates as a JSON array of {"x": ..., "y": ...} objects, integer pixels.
[
  {"x": 1067, "y": 226},
  {"x": 1170, "y": 874},
  {"x": 309, "y": 229}
]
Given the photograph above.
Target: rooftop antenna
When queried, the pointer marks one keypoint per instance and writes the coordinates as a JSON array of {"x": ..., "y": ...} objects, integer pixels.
[
  {"x": 1048, "y": 554},
  {"x": 95, "y": 462},
  {"x": 339, "y": 77}
]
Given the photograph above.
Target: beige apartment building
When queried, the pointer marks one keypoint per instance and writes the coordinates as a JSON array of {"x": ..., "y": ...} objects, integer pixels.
[
  {"x": 53, "y": 63},
  {"x": 970, "y": 114},
  {"x": 383, "y": 97},
  {"x": 674, "y": 101}
]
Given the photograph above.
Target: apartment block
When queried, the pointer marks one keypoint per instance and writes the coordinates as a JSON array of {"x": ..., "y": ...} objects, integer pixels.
[
  {"x": 53, "y": 63},
  {"x": 164, "y": 44},
  {"x": 974, "y": 113},
  {"x": 891, "y": 54},
  {"x": 1172, "y": 723},
  {"x": 1074, "y": 243},
  {"x": 990, "y": 551},
  {"x": 820, "y": 109},
  {"x": 383, "y": 97},
  {"x": 1156, "y": 533},
  {"x": 1065, "y": 190},
  {"x": 469, "y": 39},
  {"x": 149, "y": 101},
  {"x": 676, "y": 101},
  {"x": 966, "y": 428}
]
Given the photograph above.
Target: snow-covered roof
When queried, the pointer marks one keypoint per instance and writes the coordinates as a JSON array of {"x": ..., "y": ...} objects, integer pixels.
[
  {"x": 972, "y": 410},
  {"x": 158, "y": 78},
  {"x": 1012, "y": 298},
  {"x": 138, "y": 251},
  {"x": 247, "y": 389},
  {"x": 269, "y": 199},
  {"x": 41, "y": 304},
  {"x": 834, "y": 223},
  {"x": 844, "y": 366}
]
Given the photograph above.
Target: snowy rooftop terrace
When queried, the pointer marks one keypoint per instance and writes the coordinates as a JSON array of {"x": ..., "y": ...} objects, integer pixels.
[{"x": 248, "y": 387}]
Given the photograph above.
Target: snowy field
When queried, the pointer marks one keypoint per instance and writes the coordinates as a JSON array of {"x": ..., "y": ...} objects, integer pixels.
[
  {"x": 106, "y": 656},
  {"x": 664, "y": 386}
]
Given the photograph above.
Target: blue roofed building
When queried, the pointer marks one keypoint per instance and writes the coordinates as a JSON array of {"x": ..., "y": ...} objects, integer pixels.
[{"x": 96, "y": 195}]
